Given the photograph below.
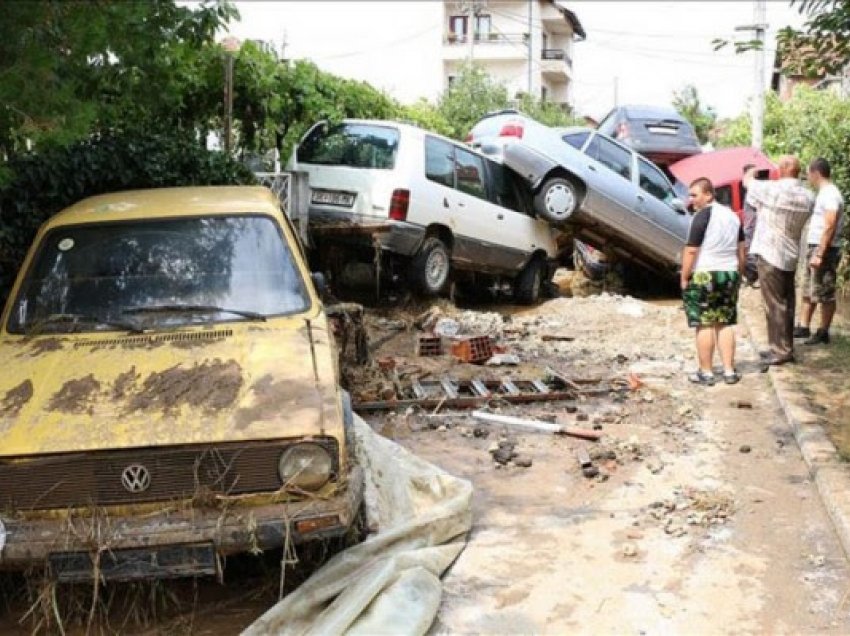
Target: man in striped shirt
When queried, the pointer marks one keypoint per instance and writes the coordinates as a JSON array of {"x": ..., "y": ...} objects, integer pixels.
[{"x": 783, "y": 208}]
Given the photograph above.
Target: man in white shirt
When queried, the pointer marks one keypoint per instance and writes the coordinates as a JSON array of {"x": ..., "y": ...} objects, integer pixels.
[
  {"x": 822, "y": 255},
  {"x": 783, "y": 208}
]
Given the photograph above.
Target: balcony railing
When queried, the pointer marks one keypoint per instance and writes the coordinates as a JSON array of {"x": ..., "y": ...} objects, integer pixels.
[
  {"x": 557, "y": 54},
  {"x": 487, "y": 38}
]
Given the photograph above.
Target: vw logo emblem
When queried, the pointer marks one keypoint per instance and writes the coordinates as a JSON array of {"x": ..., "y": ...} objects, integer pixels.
[{"x": 136, "y": 478}]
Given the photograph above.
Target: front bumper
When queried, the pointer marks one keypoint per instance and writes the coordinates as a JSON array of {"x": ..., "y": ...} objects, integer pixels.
[{"x": 175, "y": 540}]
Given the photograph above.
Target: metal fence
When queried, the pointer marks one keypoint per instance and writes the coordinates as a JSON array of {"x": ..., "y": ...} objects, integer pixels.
[{"x": 292, "y": 190}]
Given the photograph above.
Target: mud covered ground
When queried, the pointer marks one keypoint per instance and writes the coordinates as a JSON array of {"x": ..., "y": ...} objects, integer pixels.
[{"x": 699, "y": 518}]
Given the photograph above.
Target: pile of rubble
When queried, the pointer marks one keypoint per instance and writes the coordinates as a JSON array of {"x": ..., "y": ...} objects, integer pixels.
[{"x": 690, "y": 508}]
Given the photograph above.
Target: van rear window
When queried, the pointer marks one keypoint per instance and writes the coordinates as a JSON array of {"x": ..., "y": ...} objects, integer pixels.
[{"x": 352, "y": 145}]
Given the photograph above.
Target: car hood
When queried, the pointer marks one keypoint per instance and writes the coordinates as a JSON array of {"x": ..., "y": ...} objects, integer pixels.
[{"x": 236, "y": 382}]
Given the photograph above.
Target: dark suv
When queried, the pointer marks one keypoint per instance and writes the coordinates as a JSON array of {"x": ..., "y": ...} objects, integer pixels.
[{"x": 657, "y": 132}]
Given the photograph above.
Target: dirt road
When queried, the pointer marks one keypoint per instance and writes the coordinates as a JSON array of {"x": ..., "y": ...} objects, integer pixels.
[{"x": 703, "y": 519}]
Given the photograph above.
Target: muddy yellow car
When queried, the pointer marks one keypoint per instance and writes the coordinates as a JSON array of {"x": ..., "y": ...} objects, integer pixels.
[{"x": 169, "y": 390}]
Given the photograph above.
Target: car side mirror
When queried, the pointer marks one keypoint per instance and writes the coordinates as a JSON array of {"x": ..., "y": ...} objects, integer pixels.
[
  {"x": 319, "y": 283},
  {"x": 678, "y": 205}
]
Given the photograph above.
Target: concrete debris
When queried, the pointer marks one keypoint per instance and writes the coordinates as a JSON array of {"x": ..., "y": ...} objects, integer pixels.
[
  {"x": 690, "y": 508},
  {"x": 503, "y": 360},
  {"x": 523, "y": 461},
  {"x": 446, "y": 328},
  {"x": 629, "y": 550}
]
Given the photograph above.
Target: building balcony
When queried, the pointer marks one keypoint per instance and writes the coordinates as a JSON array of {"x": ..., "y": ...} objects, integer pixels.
[
  {"x": 487, "y": 46},
  {"x": 556, "y": 65}
]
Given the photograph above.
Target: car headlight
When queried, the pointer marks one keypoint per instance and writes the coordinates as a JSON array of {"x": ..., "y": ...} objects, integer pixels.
[{"x": 305, "y": 466}]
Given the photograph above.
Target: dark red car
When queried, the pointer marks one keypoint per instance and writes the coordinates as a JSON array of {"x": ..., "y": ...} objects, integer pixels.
[{"x": 724, "y": 168}]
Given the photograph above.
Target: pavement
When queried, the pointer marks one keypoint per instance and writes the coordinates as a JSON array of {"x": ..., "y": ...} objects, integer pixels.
[{"x": 709, "y": 521}]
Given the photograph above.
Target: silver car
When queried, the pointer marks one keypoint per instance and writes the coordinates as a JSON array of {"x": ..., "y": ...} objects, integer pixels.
[{"x": 611, "y": 196}]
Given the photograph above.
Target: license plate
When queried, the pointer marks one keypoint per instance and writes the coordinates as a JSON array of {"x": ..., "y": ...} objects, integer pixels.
[
  {"x": 135, "y": 564},
  {"x": 658, "y": 130},
  {"x": 330, "y": 197}
]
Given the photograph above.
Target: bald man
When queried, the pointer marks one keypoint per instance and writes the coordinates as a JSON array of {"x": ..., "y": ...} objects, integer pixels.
[{"x": 783, "y": 208}]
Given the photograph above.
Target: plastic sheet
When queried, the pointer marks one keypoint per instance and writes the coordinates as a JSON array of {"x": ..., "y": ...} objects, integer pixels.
[{"x": 390, "y": 583}]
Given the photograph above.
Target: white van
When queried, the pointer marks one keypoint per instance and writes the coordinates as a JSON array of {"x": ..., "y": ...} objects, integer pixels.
[{"x": 434, "y": 210}]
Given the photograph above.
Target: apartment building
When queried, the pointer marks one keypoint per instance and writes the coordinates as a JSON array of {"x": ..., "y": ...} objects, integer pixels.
[{"x": 525, "y": 44}]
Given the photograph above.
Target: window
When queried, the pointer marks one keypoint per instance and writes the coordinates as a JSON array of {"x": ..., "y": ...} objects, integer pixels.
[
  {"x": 506, "y": 191},
  {"x": 353, "y": 145},
  {"x": 97, "y": 274},
  {"x": 469, "y": 170},
  {"x": 611, "y": 155},
  {"x": 457, "y": 28},
  {"x": 439, "y": 161},
  {"x": 544, "y": 93},
  {"x": 577, "y": 140},
  {"x": 653, "y": 181},
  {"x": 450, "y": 80},
  {"x": 482, "y": 27}
]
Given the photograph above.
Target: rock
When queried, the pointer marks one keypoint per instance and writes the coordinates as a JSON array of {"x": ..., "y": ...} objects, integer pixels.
[
  {"x": 503, "y": 456},
  {"x": 571, "y": 408},
  {"x": 480, "y": 431},
  {"x": 590, "y": 471},
  {"x": 685, "y": 410},
  {"x": 629, "y": 550},
  {"x": 648, "y": 397},
  {"x": 492, "y": 448},
  {"x": 745, "y": 448},
  {"x": 442, "y": 428},
  {"x": 654, "y": 466},
  {"x": 506, "y": 444},
  {"x": 582, "y": 417},
  {"x": 523, "y": 461}
]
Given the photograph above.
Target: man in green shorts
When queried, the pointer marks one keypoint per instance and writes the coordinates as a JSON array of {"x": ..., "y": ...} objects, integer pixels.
[{"x": 713, "y": 262}]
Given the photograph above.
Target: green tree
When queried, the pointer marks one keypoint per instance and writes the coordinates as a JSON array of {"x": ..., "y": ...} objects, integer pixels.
[
  {"x": 69, "y": 68},
  {"x": 822, "y": 46},
  {"x": 471, "y": 95},
  {"x": 687, "y": 101}
]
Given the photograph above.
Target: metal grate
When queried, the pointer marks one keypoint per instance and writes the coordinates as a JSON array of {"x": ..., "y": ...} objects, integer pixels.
[
  {"x": 95, "y": 478},
  {"x": 133, "y": 341}
]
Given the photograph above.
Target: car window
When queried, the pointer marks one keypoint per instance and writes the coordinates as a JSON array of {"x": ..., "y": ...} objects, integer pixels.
[
  {"x": 611, "y": 155},
  {"x": 469, "y": 173},
  {"x": 506, "y": 190},
  {"x": 653, "y": 181},
  {"x": 352, "y": 145},
  {"x": 103, "y": 270},
  {"x": 723, "y": 195},
  {"x": 577, "y": 140},
  {"x": 440, "y": 161}
]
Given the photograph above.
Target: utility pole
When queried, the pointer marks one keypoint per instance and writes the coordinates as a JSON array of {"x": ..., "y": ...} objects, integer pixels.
[
  {"x": 231, "y": 47},
  {"x": 759, "y": 29},
  {"x": 530, "y": 50}
]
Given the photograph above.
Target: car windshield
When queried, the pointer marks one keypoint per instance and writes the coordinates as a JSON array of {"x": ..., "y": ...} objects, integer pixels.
[
  {"x": 353, "y": 145},
  {"x": 158, "y": 273}
]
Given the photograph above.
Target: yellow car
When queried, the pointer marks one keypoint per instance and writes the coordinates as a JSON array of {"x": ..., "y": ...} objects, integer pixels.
[{"x": 169, "y": 390}]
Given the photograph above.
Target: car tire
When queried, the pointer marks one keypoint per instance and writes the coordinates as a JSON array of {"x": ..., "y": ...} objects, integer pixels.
[
  {"x": 556, "y": 200},
  {"x": 528, "y": 285},
  {"x": 431, "y": 267}
]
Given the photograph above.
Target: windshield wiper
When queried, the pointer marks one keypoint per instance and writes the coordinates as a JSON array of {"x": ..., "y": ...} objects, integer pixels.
[
  {"x": 163, "y": 309},
  {"x": 87, "y": 318}
]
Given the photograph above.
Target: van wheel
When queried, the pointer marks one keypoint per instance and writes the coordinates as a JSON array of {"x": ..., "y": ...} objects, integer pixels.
[
  {"x": 557, "y": 200},
  {"x": 431, "y": 267},
  {"x": 528, "y": 285}
]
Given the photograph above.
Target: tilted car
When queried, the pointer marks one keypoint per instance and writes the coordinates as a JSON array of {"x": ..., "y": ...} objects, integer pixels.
[
  {"x": 659, "y": 133},
  {"x": 433, "y": 210},
  {"x": 613, "y": 198},
  {"x": 169, "y": 391}
]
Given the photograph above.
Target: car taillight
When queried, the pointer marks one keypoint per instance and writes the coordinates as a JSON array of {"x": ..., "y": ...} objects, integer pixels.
[
  {"x": 511, "y": 130},
  {"x": 468, "y": 139},
  {"x": 399, "y": 203},
  {"x": 622, "y": 131}
]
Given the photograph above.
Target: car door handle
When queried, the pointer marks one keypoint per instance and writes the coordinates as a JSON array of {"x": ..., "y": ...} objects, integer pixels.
[
  {"x": 445, "y": 202},
  {"x": 461, "y": 204},
  {"x": 591, "y": 167},
  {"x": 500, "y": 216},
  {"x": 640, "y": 198}
]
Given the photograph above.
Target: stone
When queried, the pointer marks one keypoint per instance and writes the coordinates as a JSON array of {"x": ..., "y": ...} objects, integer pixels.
[
  {"x": 503, "y": 456},
  {"x": 582, "y": 417},
  {"x": 523, "y": 461},
  {"x": 629, "y": 550},
  {"x": 492, "y": 448},
  {"x": 480, "y": 432},
  {"x": 442, "y": 428},
  {"x": 590, "y": 471},
  {"x": 745, "y": 448}
]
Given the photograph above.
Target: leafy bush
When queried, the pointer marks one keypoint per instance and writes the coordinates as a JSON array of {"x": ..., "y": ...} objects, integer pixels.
[{"x": 42, "y": 184}]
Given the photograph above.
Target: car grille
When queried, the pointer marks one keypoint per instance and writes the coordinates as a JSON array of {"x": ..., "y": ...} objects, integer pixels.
[{"x": 95, "y": 478}]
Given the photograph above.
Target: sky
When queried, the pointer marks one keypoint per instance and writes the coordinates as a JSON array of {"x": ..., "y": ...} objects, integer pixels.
[{"x": 648, "y": 49}]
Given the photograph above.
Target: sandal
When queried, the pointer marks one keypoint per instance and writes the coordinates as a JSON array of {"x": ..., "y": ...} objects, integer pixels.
[{"x": 700, "y": 377}]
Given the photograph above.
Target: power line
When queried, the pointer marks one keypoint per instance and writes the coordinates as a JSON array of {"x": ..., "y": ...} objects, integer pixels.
[{"x": 379, "y": 47}]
